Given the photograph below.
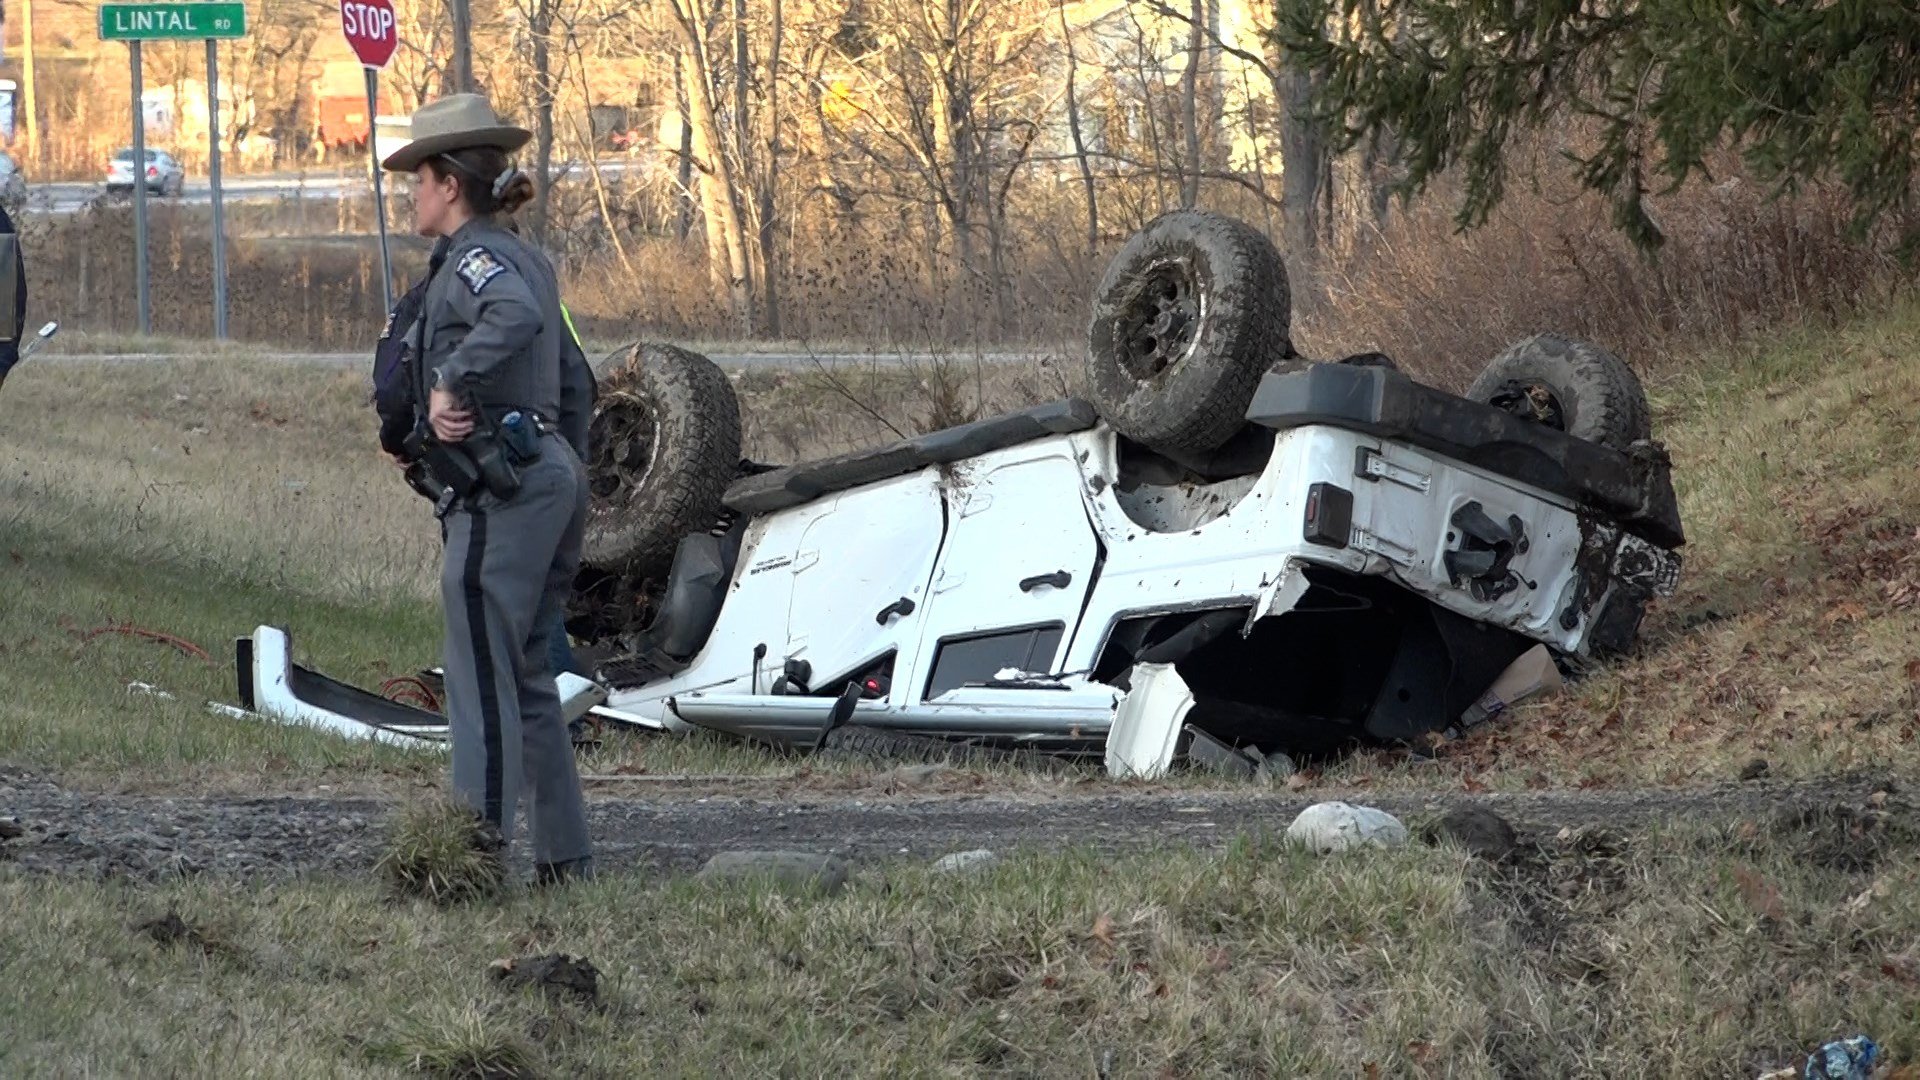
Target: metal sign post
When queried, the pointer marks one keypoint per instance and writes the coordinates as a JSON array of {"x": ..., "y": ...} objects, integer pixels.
[
  {"x": 175, "y": 21},
  {"x": 379, "y": 194},
  {"x": 213, "y": 180},
  {"x": 370, "y": 29},
  {"x": 140, "y": 193}
]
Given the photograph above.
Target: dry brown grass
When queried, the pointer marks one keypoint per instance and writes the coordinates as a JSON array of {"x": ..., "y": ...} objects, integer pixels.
[{"x": 1737, "y": 267}]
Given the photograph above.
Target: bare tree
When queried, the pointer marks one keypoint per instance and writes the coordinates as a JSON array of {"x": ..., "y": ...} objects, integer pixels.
[
  {"x": 1079, "y": 139},
  {"x": 537, "y": 21},
  {"x": 1190, "y": 107},
  {"x": 951, "y": 105},
  {"x": 727, "y": 255}
]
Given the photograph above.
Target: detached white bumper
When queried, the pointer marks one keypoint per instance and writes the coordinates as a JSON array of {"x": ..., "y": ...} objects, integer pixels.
[{"x": 274, "y": 688}]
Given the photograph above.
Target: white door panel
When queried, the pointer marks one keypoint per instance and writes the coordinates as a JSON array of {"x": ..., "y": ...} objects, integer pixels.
[
  {"x": 1020, "y": 553},
  {"x": 873, "y": 552}
]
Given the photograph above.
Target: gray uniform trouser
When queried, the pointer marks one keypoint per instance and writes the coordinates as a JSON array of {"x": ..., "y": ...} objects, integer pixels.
[{"x": 508, "y": 569}]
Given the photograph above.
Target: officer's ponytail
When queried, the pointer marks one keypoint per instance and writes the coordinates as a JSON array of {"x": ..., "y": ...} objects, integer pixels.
[
  {"x": 488, "y": 184},
  {"x": 513, "y": 189}
]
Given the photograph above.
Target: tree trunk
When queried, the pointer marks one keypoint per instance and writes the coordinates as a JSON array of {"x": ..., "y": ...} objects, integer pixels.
[
  {"x": 1079, "y": 140},
  {"x": 30, "y": 100},
  {"x": 461, "y": 73},
  {"x": 770, "y": 180},
  {"x": 540, "y": 26},
  {"x": 727, "y": 256},
  {"x": 1300, "y": 159},
  {"x": 1190, "y": 108},
  {"x": 685, "y": 172}
]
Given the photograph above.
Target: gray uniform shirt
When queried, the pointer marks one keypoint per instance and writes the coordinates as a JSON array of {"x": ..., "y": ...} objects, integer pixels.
[{"x": 490, "y": 324}]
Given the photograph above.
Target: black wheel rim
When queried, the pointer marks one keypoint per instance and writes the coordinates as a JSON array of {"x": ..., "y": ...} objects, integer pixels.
[
  {"x": 624, "y": 439},
  {"x": 1158, "y": 328},
  {"x": 1531, "y": 401}
]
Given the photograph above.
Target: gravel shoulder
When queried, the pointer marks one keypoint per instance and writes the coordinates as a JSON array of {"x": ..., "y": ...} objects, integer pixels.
[{"x": 148, "y": 837}]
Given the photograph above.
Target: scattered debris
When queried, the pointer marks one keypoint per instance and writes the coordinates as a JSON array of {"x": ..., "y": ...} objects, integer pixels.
[
  {"x": 1276, "y": 766},
  {"x": 410, "y": 690},
  {"x": 1210, "y": 753},
  {"x": 1480, "y": 831},
  {"x": 788, "y": 869},
  {"x": 558, "y": 975},
  {"x": 130, "y": 630},
  {"x": 1754, "y": 769},
  {"x": 1843, "y": 1059},
  {"x": 1533, "y": 675},
  {"x": 1329, "y": 827},
  {"x": 965, "y": 862},
  {"x": 149, "y": 690},
  {"x": 170, "y": 929}
]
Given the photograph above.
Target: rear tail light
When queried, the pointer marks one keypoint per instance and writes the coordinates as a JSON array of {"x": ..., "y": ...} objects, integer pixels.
[{"x": 1329, "y": 515}]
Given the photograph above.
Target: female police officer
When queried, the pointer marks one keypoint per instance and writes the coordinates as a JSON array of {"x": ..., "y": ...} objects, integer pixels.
[{"x": 488, "y": 343}]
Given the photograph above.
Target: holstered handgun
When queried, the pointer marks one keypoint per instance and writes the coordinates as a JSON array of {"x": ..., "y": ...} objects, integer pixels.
[
  {"x": 450, "y": 466},
  {"x": 464, "y": 468}
]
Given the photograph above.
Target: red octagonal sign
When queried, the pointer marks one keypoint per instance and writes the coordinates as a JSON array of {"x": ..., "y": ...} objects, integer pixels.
[{"x": 368, "y": 26}]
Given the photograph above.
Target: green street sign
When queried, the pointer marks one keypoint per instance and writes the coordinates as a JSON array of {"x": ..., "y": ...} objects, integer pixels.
[{"x": 172, "y": 21}]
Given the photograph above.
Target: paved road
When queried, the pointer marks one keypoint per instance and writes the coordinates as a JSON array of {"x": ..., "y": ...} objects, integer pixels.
[{"x": 67, "y": 197}]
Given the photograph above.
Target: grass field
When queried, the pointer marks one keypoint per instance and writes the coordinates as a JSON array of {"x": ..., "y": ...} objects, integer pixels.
[
  {"x": 1697, "y": 951},
  {"x": 200, "y": 496}
]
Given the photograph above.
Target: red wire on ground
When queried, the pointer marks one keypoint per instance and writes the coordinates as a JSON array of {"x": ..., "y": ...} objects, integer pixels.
[
  {"x": 182, "y": 644},
  {"x": 410, "y": 690}
]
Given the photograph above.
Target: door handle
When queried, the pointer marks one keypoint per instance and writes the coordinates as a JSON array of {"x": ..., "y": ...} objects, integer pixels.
[
  {"x": 1059, "y": 579},
  {"x": 902, "y": 606}
]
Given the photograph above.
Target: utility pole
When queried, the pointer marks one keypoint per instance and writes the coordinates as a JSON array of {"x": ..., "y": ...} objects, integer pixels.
[
  {"x": 28, "y": 101},
  {"x": 462, "y": 46}
]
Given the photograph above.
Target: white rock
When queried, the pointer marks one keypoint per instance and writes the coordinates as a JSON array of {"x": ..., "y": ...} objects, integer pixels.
[
  {"x": 965, "y": 862},
  {"x": 1336, "y": 826}
]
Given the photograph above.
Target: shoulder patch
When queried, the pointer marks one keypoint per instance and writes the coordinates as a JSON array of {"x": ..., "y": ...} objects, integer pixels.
[{"x": 477, "y": 267}]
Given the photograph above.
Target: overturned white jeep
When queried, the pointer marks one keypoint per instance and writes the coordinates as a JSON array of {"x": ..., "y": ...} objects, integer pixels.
[{"x": 1223, "y": 539}]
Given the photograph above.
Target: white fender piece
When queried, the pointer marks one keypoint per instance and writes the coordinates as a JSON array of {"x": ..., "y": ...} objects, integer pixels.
[
  {"x": 1146, "y": 726},
  {"x": 578, "y": 696},
  {"x": 273, "y": 687}
]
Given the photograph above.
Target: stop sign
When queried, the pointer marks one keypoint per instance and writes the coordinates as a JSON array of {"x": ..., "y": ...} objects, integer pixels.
[{"x": 368, "y": 27}]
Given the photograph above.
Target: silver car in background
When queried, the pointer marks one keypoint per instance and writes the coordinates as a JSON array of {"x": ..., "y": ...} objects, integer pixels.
[{"x": 164, "y": 175}]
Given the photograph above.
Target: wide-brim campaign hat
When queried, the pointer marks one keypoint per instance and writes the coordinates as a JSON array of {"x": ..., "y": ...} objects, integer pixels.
[{"x": 454, "y": 122}]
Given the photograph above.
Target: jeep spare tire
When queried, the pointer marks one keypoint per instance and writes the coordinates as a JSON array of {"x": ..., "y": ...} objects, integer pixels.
[
  {"x": 1572, "y": 386},
  {"x": 664, "y": 445},
  {"x": 1186, "y": 319}
]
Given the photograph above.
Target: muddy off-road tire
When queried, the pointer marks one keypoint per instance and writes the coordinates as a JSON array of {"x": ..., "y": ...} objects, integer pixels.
[
  {"x": 664, "y": 446},
  {"x": 1573, "y": 386},
  {"x": 1188, "y": 316}
]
